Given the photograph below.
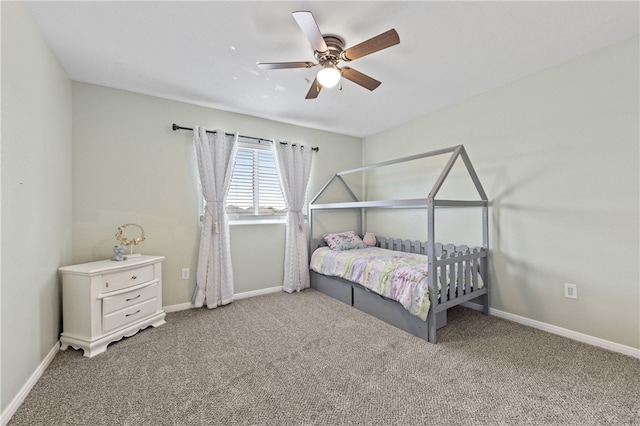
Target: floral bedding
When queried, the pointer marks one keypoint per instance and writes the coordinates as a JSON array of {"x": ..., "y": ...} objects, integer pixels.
[{"x": 393, "y": 274}]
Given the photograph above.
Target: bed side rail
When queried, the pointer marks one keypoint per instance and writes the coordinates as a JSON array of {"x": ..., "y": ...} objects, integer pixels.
[
  {"x": 464, "y": 266},
  {"x": 408, "y": 246},
  {"x": 460, "y": 272}
]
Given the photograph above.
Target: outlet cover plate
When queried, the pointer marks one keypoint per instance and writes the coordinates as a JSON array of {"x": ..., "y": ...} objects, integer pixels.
[{"x": 570, "y": 291}]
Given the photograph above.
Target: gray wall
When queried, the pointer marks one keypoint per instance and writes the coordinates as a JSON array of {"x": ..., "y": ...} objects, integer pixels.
[
  {"x": 36, "y": 197},
  {"x": 557, "y": 153},
  {"x": 130, "y": 167}
]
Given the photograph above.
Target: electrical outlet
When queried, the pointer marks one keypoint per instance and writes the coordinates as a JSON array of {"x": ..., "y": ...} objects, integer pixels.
[
  {"x": 185, "y": 273},
  {"x": 570, "y": 291}
]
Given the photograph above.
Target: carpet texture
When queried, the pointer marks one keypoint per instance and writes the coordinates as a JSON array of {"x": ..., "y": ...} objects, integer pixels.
[{"x": 306, "y": 359}]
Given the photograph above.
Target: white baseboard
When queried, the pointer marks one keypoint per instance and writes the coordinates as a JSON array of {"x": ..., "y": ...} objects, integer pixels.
[
  {"x": 238, "y": 296},
  {"x": 254, "y": 293},
  {"x": 24, "y": 391},
  {"x": 178, "y": 307},
  {"x": 574, "y": 335}
]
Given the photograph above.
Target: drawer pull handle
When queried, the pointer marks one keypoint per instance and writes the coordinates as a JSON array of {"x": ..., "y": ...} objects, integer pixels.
[
  {"x": 133, "y": 277},
  {"x": 136, "y": 312},
  {"x": 133, "y": 298}
]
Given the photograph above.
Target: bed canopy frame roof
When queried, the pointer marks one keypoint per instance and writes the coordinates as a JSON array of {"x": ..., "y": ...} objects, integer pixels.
[
  {"x": 456, "y": 152},
  {"x": 429, "y": 203}
]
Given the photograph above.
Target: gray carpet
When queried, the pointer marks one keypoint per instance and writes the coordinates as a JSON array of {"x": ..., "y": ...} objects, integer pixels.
[{"x": 305, "y": 359}]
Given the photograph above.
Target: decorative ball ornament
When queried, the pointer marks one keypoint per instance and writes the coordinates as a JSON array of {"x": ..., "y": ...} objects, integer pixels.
[{"x": 124, "y": 240}]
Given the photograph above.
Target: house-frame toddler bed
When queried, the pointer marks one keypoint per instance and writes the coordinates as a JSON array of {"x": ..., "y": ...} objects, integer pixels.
[{"x": 461, "y": 271}]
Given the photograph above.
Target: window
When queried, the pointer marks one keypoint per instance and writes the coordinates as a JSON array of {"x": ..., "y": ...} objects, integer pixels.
[{"x": 255, "y": 192}]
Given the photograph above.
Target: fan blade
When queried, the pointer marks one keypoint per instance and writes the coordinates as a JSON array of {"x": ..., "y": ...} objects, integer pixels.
[
  {"x": 310, "y": 29},
  {"x": 314, "y": 90},
  {"x": 358, "y": 78},
  {"x": 374, "y": 44},
  {"x": 284, "y": 65}
]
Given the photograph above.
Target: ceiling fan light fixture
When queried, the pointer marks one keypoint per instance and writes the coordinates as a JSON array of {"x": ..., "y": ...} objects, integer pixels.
[{"x": 328, "y": 76}]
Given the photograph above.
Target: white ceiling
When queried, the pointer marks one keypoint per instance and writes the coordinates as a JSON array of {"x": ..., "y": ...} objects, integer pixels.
[{"x": 205, "y": 53}]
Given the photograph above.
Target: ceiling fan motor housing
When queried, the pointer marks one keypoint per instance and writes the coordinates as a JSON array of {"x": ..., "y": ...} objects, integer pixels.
[{"x": 335, "y": 46}]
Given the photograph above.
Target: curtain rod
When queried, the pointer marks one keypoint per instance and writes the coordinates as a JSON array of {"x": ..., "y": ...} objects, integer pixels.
[{"x": 175, "y": 127}]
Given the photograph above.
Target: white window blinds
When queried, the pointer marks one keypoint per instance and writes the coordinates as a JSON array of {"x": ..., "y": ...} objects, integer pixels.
[{"x": 255, "y": 192}]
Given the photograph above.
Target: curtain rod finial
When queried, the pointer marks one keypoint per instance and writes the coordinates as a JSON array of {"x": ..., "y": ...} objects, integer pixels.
[{"x": 175, "y": 127}]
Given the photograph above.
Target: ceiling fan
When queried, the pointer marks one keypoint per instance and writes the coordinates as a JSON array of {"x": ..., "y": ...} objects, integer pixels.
[{"x": 329, "y": 50}]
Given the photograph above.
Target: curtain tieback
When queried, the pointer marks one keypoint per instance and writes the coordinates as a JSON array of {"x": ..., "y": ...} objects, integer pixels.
[
  {"x": 210, "y": 203},
  {"x": 300, "y": 219}
]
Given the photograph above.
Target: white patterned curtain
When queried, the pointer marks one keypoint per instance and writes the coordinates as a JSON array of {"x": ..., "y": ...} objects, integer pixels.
[
  {"x": 294, "y": 162},
  {"x": 214, "y": 278}
]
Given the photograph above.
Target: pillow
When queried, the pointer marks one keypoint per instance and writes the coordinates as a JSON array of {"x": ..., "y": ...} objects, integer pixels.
[{"x": 344, "y": 241}]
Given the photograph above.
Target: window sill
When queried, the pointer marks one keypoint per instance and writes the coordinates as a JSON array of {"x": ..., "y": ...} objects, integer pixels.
[{"x": 257, "y": 222}]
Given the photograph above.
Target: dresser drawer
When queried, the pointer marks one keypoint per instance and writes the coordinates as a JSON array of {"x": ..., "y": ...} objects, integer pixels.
[
  {"x": 118, "y": 280},
  {"x": 113, "y": 303},
  {"x": 128, "y": 315}
]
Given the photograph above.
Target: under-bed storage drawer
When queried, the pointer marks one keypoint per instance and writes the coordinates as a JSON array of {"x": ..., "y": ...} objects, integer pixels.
[
  {"x": 334, "y": 287},
  {"x": 393, "y": 312}
]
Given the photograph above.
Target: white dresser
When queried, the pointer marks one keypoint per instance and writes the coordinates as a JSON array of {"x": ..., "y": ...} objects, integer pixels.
[{"x": 104, "y": 301}]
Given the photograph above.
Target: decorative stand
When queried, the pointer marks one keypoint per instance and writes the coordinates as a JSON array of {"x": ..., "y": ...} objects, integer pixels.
[{"x": 127, "y": 242}]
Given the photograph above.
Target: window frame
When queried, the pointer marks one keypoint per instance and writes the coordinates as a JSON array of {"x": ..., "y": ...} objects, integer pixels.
[{"x": 235, "y": 218}]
